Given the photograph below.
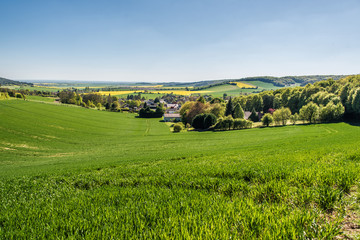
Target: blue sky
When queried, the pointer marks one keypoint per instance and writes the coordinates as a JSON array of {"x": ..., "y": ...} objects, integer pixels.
[{"x": 168, "y": 40}]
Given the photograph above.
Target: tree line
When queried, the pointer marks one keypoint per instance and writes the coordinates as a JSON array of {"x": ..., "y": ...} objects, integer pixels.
[{"x": 323, "y": 101}]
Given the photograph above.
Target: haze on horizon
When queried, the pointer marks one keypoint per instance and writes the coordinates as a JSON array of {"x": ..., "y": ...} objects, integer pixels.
[{"x": 163, "y": 41}]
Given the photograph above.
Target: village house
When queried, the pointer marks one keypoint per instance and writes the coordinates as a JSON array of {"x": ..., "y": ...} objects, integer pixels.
[
  {"x": 151, "y": 104},
  {"x": 172, "y": 117},
  {"x": 248, "y": 113},
  {"x": 172, "y": 108}
]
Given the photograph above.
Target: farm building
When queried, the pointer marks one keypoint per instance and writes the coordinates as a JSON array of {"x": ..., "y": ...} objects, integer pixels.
[
  {"x": 172, "y": 117},
  {"x": 248, "y": 113},
  {"x": 172, "y": 108}
]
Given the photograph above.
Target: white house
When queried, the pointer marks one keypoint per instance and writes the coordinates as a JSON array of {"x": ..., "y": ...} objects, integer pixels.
[{"x": 172, "y": 117}]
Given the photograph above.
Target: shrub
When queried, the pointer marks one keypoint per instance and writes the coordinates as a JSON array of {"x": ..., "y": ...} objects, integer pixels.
[
  {"x": 249, "y": 124},
  {"x": 310, "y": 112},
  {"x": 115, "y": 106},
  {"x": 239, "y": 123},
  {"x": 4, "y": 95},
  {"x": 198, "y": 121},
  {"x": 203, "y": 121},
  {"x": 178, "y": 127},
  {"x": 209, "y": 120},
  {"x": 148, "y": 113},
  {"x": 294, "y": 118},
  {"x": 267, "y": 119},
  {"x": 242, "y": 123},
  {"x": 228, "y": 122}
]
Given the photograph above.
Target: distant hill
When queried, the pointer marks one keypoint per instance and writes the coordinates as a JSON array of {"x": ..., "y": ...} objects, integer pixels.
[
  {"x": 7, "y": 82},
  {"x": 193, "y": 84},
  {"x": 290, "y": 80},
  {"x": 276, "y": 81}
]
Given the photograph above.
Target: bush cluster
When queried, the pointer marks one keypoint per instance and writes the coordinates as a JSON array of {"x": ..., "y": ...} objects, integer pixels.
[
  {"x": 204, "y": 121},
  {"x": 229, "y": 123},
  {"x": 148, "y": 113}
]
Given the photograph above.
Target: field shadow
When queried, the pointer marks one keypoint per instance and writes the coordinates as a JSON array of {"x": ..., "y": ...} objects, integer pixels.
[{"x": 353, "y": 122}]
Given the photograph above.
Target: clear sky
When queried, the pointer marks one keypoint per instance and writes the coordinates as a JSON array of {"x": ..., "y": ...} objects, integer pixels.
[{"x": 177, "y": 40}]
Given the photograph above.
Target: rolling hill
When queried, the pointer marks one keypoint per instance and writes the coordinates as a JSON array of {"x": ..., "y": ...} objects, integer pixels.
[
  {"x": 71, "y": 172},
  {"x": 8, "y": 82}
]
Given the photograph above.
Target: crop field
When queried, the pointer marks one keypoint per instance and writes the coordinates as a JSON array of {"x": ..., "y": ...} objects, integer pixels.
[
  {"x": 149, "y": 86},
  {"x": 38, "y": 88},
  {"x": 40, "y": 98},
  {"x": 262, "y": 85},
  {"x": 71, "y": 172},
  {"x": 244, "y": 85},
  {"x": 161, "y": 92},
  {"x": 230, "y": 90},
  {"x": 116, "y": 93}
]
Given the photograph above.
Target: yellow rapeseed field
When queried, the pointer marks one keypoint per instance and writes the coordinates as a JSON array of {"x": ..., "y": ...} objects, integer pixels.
[
  {"x": 155, "y": 86},
  {"x": 177, "y": 92},
  {"x": 180, "y": 92},
  {"x": 243, "y": 85},
  {"x": 119, "y": 92}
]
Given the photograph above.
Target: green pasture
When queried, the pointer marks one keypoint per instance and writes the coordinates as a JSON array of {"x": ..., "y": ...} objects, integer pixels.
[
  {"x": 232, "y": 90},
  {"x": 262, "y": 85},
  {"x": 38, "y": 88},
  {"x": 218, "y": 91},
  {"x": 71, "y": 172},
  {"x": 145, "y": 95},
  {"x": 40, "y": 98}
]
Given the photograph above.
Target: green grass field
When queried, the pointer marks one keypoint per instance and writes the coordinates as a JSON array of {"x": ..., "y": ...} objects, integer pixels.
[
  {"x": 38, "y": 88},
  {"x": 145, "y": 95},
  {"x": 40, "y": 98},
  {"x": 232, "y": 90},
  {"x": 70, "y": 172},
  {"x": 262, "y": 85},
  {"x": 216, "y": 91}
]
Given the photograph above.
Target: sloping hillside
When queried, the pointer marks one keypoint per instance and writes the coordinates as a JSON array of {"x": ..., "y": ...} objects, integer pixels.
[
  {"x": 7, "y": 82},
  {"x": 276, "y": 81},
  {"x": 289, "y": 80}
]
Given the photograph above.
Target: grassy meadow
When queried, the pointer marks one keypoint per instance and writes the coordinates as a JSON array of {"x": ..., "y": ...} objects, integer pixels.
[
  {"x": 215, "y": 91},
  {"x": 71, "y": 172},
  {"x": 262, "y": 85},
  {"x": 40, "y": 98}
]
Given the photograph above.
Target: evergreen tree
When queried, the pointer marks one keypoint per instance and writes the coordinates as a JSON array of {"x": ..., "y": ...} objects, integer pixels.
[
  {"x": 254, "y": 116},
  {"x": 229, "y": 108},
  {"x": 201, "y": 99},
  {"x": 238, "y": 112}
]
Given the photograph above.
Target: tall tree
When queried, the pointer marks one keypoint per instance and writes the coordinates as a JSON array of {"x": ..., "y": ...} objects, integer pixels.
[
  {"x": 229, "y": 108},
  {"x": 238, "y": 111},
  {"x": 310, "y": 112},
  {"x": 254, "y": 116},
  {"x": 355, "y": 103},
  {"x": 257, "y": 103}
]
